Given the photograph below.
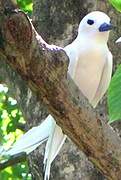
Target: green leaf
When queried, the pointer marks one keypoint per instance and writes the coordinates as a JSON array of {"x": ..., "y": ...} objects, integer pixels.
[
  {"x": 10, "y": 117},
  {"x": 25, "y": 5},
  {"x": 116, "y": 4},
  {"x": 114, "y": 96}
]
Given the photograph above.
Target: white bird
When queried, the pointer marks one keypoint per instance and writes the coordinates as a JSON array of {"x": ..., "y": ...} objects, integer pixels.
[{"x": 90, "y": 67}]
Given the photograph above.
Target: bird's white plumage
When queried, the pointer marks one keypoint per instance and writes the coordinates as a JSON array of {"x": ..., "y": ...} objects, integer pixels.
[
  {"x": 88, "y": 55},
  {"x": 104, "y": 80},
  {"x": 54, "y": 144},
  {"x": 90, "y": 67}
]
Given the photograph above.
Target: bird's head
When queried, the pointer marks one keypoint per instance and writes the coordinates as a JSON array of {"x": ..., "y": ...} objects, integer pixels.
[{"x": 96, "y": 25}]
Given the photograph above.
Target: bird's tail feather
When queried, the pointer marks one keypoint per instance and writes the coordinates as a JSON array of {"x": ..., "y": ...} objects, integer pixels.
[
  {"x": 54, "y": 144},
  {"x": 47, "y": 172}
]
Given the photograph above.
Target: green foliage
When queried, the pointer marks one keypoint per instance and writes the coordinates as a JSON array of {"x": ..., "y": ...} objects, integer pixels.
[
  {"x": 10, "y": 120},
  {"x": 17, "y": 172},
  {"x": 116, "y": 4},
  {"x": 114, "y": 96},
  {"x": 25, "y": 5}
]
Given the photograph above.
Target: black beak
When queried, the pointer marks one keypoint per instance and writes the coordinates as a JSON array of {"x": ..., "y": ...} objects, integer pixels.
[{"x": 105, "y": 27}]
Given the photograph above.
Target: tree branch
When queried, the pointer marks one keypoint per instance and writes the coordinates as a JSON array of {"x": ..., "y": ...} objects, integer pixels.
[
  {"x": 21, "y": 126},
  {"x": 21, "y": 157},
  {"x": 44, "y": 68}
]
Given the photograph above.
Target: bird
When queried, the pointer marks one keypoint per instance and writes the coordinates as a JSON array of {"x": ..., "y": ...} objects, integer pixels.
[{"x": 90, "y": 66}]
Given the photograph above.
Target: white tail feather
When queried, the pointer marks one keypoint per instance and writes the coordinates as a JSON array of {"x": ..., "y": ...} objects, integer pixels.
[{"x": 53, "y": 146}]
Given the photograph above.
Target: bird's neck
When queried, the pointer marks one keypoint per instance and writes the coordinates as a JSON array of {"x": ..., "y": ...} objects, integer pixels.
[{"x": 99, "y": 37}]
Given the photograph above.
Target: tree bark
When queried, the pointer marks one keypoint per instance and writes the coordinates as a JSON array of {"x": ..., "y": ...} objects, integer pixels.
[{"x": 23, "y": 66}]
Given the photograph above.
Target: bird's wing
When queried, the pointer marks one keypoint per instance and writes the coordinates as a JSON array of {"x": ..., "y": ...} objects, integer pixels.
[
  {"x": 32, "y": 139},
  {"x": 104, "y": 81},
  {"x": 70, "y": 51},
  {"x": 54, "y": 144}
]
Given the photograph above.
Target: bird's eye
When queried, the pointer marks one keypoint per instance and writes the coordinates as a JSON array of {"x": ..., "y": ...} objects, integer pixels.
[{"x": 90, "y": 22}]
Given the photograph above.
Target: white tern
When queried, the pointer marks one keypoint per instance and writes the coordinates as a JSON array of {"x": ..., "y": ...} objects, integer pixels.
[{"x": 90, "y": 67}]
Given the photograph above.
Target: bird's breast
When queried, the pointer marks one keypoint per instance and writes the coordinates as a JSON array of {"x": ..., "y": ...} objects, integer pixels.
[{"x": 88, "y": 70}]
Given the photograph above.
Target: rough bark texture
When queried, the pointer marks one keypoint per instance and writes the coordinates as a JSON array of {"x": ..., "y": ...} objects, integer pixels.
[{"x": 25, "y": 97}]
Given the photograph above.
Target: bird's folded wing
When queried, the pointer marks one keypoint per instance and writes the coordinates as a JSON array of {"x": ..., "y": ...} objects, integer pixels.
[{"x": 104, "y": 81}]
